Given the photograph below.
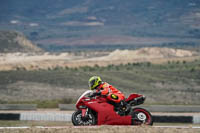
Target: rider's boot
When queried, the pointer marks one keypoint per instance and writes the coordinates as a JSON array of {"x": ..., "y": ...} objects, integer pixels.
[{"x": 124, "y": 106}]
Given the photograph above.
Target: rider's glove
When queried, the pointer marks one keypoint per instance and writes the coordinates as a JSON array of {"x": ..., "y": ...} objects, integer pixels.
[
  {"x": 95, "y": 94},
  {"x": 98, "y": 93}
]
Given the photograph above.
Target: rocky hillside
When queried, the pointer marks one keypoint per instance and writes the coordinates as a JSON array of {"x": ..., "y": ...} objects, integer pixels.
[
  {"x": 149, "y": 53},
  {"x": 103, "y": 24},
  {"x": 12, "y": 41}
]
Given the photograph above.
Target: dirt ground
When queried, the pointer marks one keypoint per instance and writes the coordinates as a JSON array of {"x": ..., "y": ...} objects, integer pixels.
[
  {"x": 105, "y": 129},
  {"x": 31, "y": 61}
]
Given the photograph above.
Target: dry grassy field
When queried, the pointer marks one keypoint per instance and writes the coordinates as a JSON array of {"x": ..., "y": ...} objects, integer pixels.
[
  {"x": 174, "y": 82},
  {"x": 105, "y": 129}
]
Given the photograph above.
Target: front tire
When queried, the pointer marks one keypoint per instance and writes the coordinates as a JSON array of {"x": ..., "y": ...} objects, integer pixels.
[
  {"x": 141, "y": 116},
  {"x": 78, "y": 120}
]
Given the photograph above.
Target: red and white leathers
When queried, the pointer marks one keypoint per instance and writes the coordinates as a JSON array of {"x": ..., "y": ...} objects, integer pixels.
[{"x": 107, "y": 90}]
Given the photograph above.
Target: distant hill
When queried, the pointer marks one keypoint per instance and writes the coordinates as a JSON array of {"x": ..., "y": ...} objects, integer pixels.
[
  {"x": 103, "y": 24},
  {"x": 149, "y": 53},
  {"x": 12, "y": 41}
]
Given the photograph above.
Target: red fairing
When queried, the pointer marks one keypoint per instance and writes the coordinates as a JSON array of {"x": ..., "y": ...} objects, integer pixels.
[
  {"x": 133, "y": 96},
  {"x": 98, "y": 111},
  {"x": 106, "y": 113}
]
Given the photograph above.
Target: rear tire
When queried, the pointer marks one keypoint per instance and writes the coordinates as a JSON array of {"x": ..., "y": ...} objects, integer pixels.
[
  {"x": 77, "y": 119},
  {"x": 141, "y": 116}
]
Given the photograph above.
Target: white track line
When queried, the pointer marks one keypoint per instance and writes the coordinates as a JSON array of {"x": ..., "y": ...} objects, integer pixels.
[
  {"x": 14, "y": 127},
  {"x": 176, "y": 127},
  {"x": 61, "y": 127}
]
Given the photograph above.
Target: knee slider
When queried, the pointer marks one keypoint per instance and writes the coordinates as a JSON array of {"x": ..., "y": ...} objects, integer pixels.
[{"x": 113, "y": 96}]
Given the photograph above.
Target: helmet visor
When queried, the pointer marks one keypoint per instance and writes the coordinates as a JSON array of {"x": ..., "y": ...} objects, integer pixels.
[{"x": 91, "y": 84}]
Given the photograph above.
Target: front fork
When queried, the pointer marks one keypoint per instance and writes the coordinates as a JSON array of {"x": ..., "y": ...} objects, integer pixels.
[{"x": 84, "y": 112}]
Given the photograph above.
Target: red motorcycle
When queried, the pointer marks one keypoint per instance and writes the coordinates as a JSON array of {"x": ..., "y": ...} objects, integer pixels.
[{"x": 98, "y": 111}]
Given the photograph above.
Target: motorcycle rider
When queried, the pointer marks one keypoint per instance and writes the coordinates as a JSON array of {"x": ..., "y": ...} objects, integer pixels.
[{"x": 113, "y": 95}]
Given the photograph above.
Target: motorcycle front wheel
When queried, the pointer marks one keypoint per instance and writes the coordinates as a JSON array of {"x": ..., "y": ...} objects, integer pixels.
[
  {"x": 78, "y": 120},
  {"x": 141, "y": 116}
]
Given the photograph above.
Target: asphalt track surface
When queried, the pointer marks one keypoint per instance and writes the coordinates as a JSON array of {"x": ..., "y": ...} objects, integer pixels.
[{"x": 63, "y": 127}]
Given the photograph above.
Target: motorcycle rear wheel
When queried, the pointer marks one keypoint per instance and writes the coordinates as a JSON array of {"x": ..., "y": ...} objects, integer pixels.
[
  {"x": 141, "y": 116},
  {"x": 77, "y": 119}
]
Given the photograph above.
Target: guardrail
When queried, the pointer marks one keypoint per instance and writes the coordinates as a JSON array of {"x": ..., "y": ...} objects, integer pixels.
[
  {"x": 172, "y": 108},
  {"x": 67, "y": 106},
  {"x": 44, "y": 116},
  {"x": 151, "y": 108},
  {"x": 66, "y": 116},
  {"x": 18, "y": 106}
]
